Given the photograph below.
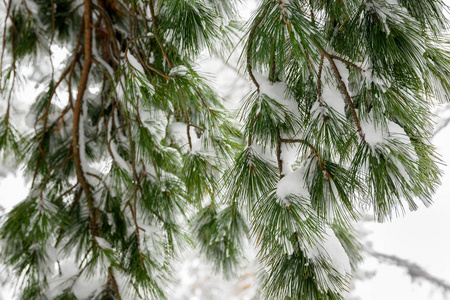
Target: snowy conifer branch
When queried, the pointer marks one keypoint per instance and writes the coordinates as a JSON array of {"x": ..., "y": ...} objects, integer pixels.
[
  {"x": 77, "y": 116},
  {"x": 156, "y": 34},
  {"x": 250, "y": 43},
  {"x": 346, "y": 94},
  {"x": 414, "y": 270},
  {"x": 7, "y": 16},
  {"x": 147, "y": 146},
  {"x": 348, "y": 63},
  {"x": 278, "y": 150}
]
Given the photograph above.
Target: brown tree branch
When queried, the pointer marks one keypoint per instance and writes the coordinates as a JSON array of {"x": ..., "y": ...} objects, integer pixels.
[
  {"x": 346, "y": 94},
  {"x": 278, "y": 150},
  {"x": 113, "y": 282},
  {"x": 319, "y": 81},
  {"x": 77, "y": 117},
  {"x": 155, "y": 33},
  {"x": 348, "y": 63}
]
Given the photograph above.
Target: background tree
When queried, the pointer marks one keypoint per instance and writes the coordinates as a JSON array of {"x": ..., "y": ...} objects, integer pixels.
[{"x": 130, "y": 144}]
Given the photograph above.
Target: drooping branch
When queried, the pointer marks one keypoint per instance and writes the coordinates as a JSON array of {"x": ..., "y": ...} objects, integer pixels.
[
  {"x": 413, "y": 269},
  {"x": 110, "y": 29},
  {"x": 155, "y": 33},
  {"x": 8, "y": 10},
  {"x": 346, "y": 95},
  {"x": 77, "y": 115},
  {"x": 136, "y": 184},
  {"x": 250, "y": 43},
  {"x": 319, "y": 81}
]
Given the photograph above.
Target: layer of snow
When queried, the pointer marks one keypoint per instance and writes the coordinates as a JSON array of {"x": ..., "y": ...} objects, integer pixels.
[
  {"x": 277, "y": 91},
  {"x": 104, "y": 244},
  {"x": 116, "y": 156},
  {"x": 330, "y": 250},
  {"x": 134, "y": 63},
  {"x": 87, "y": 286},
  {"x": 178, "y": 133},
  {"x": 179, "y": 71},
  {"x": 292, "y": 184},
  {"x": 332, "y": 97},
  {"x": 377, "y": 134}
]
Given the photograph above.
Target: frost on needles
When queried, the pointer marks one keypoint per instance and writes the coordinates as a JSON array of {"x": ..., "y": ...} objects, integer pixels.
[{"x": 133, "y": 157}]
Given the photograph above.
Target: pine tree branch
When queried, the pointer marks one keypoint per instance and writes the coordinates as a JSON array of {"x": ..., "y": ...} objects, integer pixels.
[
  {"x": 319, "y": 86},
  {"x": 112, "y": 280},
  {"x": 249, "y": 143},
  {"x": 155, "y": 33},
  {"x": 110, "y": 30},
  {"x": 8, "y": 11},
  {"x": 66, "y": 192},
  {"x": 348, "y": 63},
  {"x": 101, "y": 180},
  {"x": 413, "y": 269},
  {"x": 197, "y": 127},
  {"x": 52, "y": 8},
  {"x": 166, "y": 77},
  {"x": 77, "y": 116},
  {"x": 136, "y": 184},
  {"x": 249, "y": 46},
  {"x": 188, "y": 131},
  {"x": 312, "y": 12},
  {"x": 319, "y": 81},
  {"x": 297, "y": 240},
  {"x": 47, "y": 176},
  {"x": 273, "y": 64},
  {"x": 204, "y": 103},
  {"x": 346, "y": 94},
  {"x": 8, "y": 107},
  {"x": 47, "y": 108},
  {"x": 278, "y": 150}
]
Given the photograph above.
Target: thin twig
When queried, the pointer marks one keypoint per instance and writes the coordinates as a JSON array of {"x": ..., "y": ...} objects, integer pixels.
[
  {"x": 348, "y": 63},
  {"x": 346, "y": 94},
  {"x": 8, "y": 10},
  {"x": 249, "y": 46},
  {"x": 155, "y": 33},
  {"x": 135, "y": 185},
  {"x": 319, "y": 81},
  {"x": 279, "y": 159}
]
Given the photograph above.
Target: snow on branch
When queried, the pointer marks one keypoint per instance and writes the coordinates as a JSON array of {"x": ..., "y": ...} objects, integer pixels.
[{"x": 414, "y": 270}]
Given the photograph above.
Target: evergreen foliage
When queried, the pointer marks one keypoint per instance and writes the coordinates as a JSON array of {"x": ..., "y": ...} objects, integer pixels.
[{"x": 132, "y": 155}]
